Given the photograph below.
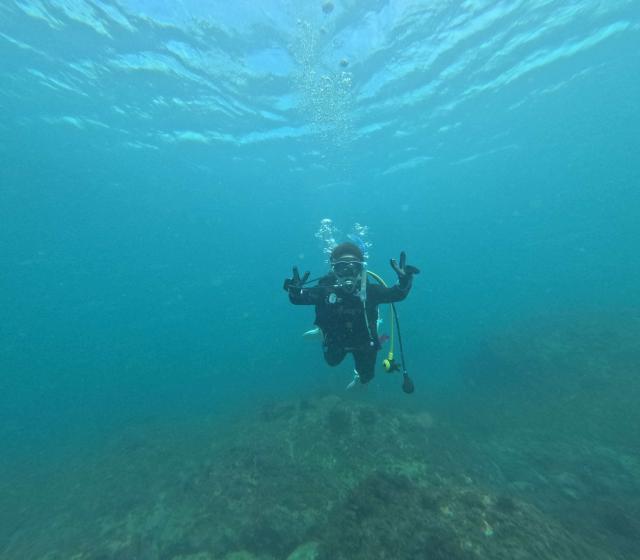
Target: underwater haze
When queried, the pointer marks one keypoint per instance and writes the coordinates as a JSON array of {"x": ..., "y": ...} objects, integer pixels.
[{"x": 165, "y": 164}]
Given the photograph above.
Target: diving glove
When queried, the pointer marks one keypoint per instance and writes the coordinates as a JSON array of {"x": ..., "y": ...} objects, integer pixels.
[
  {"x": 295, "y": 283},
  {"x": 404, "y": 271}
]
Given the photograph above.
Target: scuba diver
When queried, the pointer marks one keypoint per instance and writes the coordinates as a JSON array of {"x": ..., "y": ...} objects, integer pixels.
[{"x": 346, "y": 305}]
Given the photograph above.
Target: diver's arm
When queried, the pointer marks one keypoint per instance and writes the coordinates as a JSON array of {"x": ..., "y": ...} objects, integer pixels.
[
  {"x": 298, "y": 294},
  {"x": 382, "y": 294},
  {"x": 306, "y": 296},
  {"x": 398, "y": 292}
]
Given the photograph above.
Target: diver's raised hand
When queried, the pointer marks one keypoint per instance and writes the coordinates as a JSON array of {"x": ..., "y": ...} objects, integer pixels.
[
  {"x": 404, "y": 271},
  {"x": 295, "y": 282}
]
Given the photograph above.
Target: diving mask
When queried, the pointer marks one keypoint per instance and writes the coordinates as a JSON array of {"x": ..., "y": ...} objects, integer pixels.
[{"x": 347, "y": 268}]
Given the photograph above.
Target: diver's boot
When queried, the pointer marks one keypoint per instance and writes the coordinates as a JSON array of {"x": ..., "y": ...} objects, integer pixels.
[
  {"x": 312, "y": 332},
  {"x": 355, "y": 381}
]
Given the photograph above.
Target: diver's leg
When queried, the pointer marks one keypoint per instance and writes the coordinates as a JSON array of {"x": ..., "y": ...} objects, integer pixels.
[
  {"x": 365, "y": 359},
  {"x": 333, "y": 353}
]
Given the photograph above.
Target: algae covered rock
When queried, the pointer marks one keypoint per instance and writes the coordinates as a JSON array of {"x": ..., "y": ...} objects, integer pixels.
[
  {"x": 306, "y": 551},
  {"x": 387, "y": 512},
  {"x": 314, "y": 479}
]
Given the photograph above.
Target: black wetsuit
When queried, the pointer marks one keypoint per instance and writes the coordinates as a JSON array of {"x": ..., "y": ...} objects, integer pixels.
[{"x": 340, "y": 316}]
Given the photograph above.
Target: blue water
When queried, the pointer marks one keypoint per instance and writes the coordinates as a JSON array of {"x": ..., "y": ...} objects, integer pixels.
[{"x": 164, "y": 164}]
